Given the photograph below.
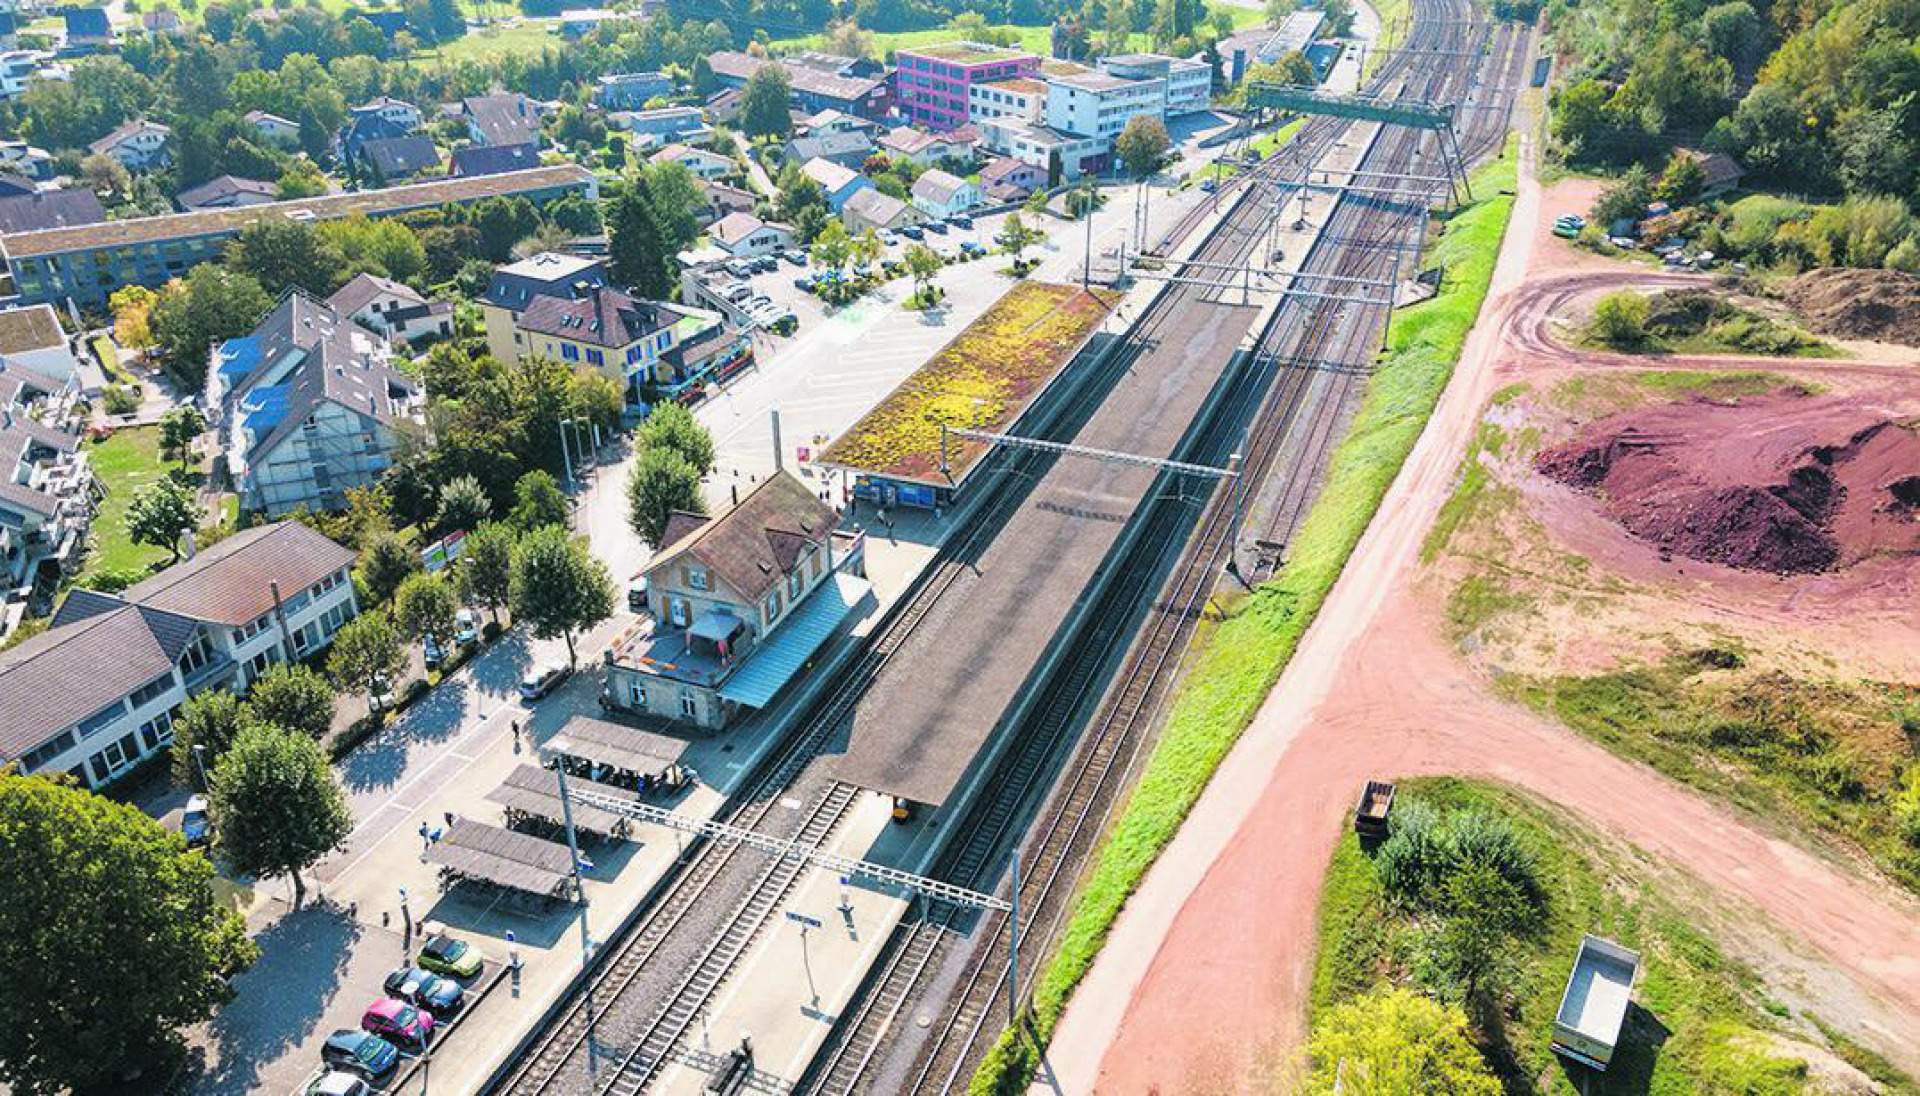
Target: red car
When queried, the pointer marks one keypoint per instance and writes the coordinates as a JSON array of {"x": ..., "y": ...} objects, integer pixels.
[{"x": 395, "y": 1020}]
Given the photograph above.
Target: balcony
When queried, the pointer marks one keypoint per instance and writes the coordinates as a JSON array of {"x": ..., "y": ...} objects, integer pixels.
[{"x": 703, "y": 654}]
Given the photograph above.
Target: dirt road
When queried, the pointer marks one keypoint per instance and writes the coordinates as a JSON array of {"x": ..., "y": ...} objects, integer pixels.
[{"x": 1206, "y": 972}]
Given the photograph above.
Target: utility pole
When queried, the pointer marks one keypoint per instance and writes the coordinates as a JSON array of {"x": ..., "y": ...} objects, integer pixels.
[
  {"x": 1013, "y": 948},
  {"x": 565, "y": 456}
]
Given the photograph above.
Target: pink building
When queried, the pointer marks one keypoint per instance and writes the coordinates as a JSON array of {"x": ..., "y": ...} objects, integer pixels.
[{"x": 932, "y": 83}]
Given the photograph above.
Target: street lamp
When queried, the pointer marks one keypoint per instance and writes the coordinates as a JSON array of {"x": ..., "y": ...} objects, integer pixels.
[
  {"x": 200, "y": 762},
  {"x": 566, "y": 454}
]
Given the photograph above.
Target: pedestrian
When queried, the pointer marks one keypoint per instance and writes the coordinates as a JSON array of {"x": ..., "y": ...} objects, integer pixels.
[
  {"x": 516, "y": 736},
  {"x": 449, "y": 817}
]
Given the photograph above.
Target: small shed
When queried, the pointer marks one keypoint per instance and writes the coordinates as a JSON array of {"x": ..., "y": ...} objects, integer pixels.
[
  {"x": 516, "y": 861},
  {"x": 618, "y": 748},
  {"x": 534, "y": 792}
]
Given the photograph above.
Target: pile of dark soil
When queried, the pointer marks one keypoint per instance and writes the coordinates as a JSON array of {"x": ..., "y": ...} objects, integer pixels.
[
  {"x": 1859, "y": 304},
  {"x": 1787, "y": 484}
]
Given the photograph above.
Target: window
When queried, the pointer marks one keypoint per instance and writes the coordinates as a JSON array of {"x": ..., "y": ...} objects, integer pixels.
[
  {"x": 793, "y": 584},
  {"x": 570, "y": 352},
  {"x": 151, "y": 689},
  {"x": 697, "y": 578},
  {"x": 100, "y": 720},
  {"x": 688, "y": 706},
  {"x": 773, "y": 606},
  {"x": 677, "y": 611},
  {"x": 595, "y": 357},
  {"x": 638, "y": 694}
]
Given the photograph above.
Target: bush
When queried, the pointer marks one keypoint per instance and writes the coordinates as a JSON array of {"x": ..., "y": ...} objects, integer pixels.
[
  {"x": 120, "y": 399},
  {"x": 113, "y": 581},
  {"x": 1620, "y": 319},
  {"x": 1414, "y": 855},
  {"x": 1478, "y": 838}
]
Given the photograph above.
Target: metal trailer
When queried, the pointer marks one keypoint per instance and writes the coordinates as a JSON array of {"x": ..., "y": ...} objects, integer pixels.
[
  {"x": 1370, "y": 814},
  {"x": 1592, "y": 1011}
]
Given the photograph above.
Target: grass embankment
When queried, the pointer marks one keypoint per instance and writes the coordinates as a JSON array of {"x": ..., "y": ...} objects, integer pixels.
[
  {"x": 1701, "y": 322},
  {"x": 1830, "y": 757},
  {"x": 1034, "y": 39},
  {"x": 1702, "y": 1022},
  {"x": 1240, "y": 661},
  {"x": 1394, "y": 23}
]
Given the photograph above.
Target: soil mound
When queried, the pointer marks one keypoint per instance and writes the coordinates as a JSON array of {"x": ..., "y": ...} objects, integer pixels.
[
  {"x": 1859, "y": 304},
  {"x": 1787, "y": 484}
]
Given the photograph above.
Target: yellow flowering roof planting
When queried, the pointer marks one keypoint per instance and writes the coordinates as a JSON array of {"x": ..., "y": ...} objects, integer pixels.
[{"x": 982, "y": 380}]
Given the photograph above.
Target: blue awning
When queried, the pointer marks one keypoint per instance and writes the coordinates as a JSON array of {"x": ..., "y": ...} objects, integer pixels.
[{"x": 768, "y": 669}]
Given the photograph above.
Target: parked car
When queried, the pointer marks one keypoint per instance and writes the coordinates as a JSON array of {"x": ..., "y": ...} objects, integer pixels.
[
  {"x": 804, "y": 283},
  {"x": 455, "y": 958},
  {"x": 466, "y": 627},
  {"x": 1208, "y": 186},
  {"x": 887, "y": 236},
  {"x": 360, "y": 1052},
  {"x": 431, "y": 651},
  {"x": 795, "y": 256},
  {"x": 785, "y": 324},
  {"x": 972, "y": 249},
  {"x": 740, "y": 268},
  {"x": 938, "y": 228},
  {"x": 637, "y": 595},
  {"x": 336, "y": 1083},
  {"x": 766, "y": 263},
  {"x": 893, "y": 268},
  {"x": 542, "y": 680},
  {"x": 912, "y": 232},
  {"x": 736, "y": 291},
  {"x": 195, "y": 825},
  {"x": 757, "y": 301},
  {"x": 441, "y": 997},
  {"x": 960, "y": 220},
  {"x": 398, "y": 1022}
]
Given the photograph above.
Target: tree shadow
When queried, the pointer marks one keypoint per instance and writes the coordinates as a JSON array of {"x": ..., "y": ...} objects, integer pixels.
[{"x": 279, "y": 1001}]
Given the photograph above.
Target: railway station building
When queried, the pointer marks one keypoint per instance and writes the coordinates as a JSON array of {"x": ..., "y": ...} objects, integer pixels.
[{"x": 737, "y": 605}]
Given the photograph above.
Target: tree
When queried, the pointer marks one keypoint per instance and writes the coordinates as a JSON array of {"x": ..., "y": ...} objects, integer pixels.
[
  {"x": 179, "y": 429},
  {"x": 463, "y": 503},
  {"x": 104, "y": 913},
  {"x": 301, "y": 179},
  {"x": 538, "y": 502},
  {"x": 292, "y": 698},
  {"x": 1735, "y": 31},
  {"x": 705, "y": 83},
  {"x": 281, "y": 254},
  {"x": 1619, "y": 319},
  {"x": 1625, "y": 199},
  {"x": 1015, "y": 237},
  {"x": 1397, "y": 1043},
  {"x": 131, "y": 306},
  {"x": 923, "y": 264},
  {"x": 485, "y": 572},
  {"x": 1143, "y": 144},
  {"x": 277, "y": 807},
  {"x": 635, "y": 248},
  {"x": 425, "y": 607},
  {"x": 661, "y": 483},
  {"x": 1339, "y": 18},
  {"x": 367, "y": 654},
  {"x": 846, "y": 39},
  {"x": 1037, "y": 202},
  {"x": 502, "y": 222},
  {"x": 1469, "y": 953},
  {"x": 866, "y": 248},
  {"x": 765, "y": 109},
  {"x": 385, "y": 562},
  {"x": 161, "y": 513},
  {"x": 559, "y": 588},
  {"x": 106, "y": 176},
  {"x": 211, "y": 720},
  {"x": 214, "y": 303},
  {"x": 832, "y": 247},
  {"x": 672, "y": 427},
  {"x": 1680, "y": 184}
]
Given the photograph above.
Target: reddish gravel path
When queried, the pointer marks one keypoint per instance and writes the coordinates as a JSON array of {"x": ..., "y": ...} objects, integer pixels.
[{"x": 1206, "y": 972}]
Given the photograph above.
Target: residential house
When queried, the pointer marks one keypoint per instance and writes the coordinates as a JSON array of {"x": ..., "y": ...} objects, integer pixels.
[
  {"x": 18, "y": 68},
  {"x": 926, "y": 149},
  {"x": 940, "y": 195},
  {"x": 162, "y": 21},
  {"x": 933, "y": 85},
  {"x": 363, "y": 128},
  {"x": 14, "y": 185},
  {"x": 744, "y": 236},
  {"x": 818, "y": 81},
  {"x": 88, "y": 29},
  {"x": 703, "y": 164},
  {"x": 516, "y": 286},
  {"x": 835, "y": 121},
  {"x": 273, "y": 129},
  {"x": 631, "y": 90},
  {"x": 306, "y": 407},
  {"x": 1006, "y": 179},
  {"x": 45, "y": 209},
  {"x": 723, "y": 105},
  {"x": 402, "y": 115},
  {"x": 869, "y": 208},
  {"x": 662, "y": 126},
  {"x": 739, "y": 603},
  {"x": 723, "y": 199},
  {"x": 85, "y": 264},
  {"x": 502, "y": 118},
  {"x": 392, "y": 159},
  {"x": 1060, "y": 155},
  {"x": 138, "y": 145},
  {"x": 387, "y": 308},
  {"x": 1722, "y": 172},
  {"x": 48, "y": 494},
  {"x": 21, "y": 157},
  {"x": 98, "y": 691},
  {"x": 227, "y": 192},
  {"x": 613, "y": 332},
  {"x": 469, "y": 160},
  {"x": 848, "y": 148},
  {"x": 839, "y": 183},
  {"x": 577, "y": 23},
  {"x": 1016, "y": 97},
  {"x": 32, "y": 337}
]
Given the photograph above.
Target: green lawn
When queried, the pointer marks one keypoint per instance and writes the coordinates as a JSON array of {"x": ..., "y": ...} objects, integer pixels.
[
  {"x": 1702, "y": 1021},
  {"x": 1238, "y": 663},
  {"x": 124, "y": 463},
  {"x": 492, "y": 43}
]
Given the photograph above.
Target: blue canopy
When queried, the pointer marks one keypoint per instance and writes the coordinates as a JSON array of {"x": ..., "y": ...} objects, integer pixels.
[{"x": 779, "y": 656}]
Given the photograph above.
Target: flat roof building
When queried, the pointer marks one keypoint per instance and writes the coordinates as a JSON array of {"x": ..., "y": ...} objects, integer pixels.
[{"x": 88, "y": 262}]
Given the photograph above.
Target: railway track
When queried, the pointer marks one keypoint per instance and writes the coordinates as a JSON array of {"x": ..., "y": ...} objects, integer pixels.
[{"x": 1077, "y": 812}]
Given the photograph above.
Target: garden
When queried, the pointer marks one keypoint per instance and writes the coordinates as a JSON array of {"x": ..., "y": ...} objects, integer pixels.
[{"x": 981, "y": 380}]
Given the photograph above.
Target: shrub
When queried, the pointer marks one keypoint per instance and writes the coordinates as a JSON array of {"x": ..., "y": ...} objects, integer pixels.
[
  {"x": 1620, "y": 319},
  {"x": 1414, "y": 855},
  {"x": 119, "y": 399},
  {"x": 1478, "y": 838}
]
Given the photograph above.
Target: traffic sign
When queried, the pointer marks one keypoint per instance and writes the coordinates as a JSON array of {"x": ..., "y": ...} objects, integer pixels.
[{"x": 803, "y": 920}]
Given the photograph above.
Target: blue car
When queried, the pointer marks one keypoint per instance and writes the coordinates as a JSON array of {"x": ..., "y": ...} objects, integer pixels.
[
  {"x": 937, "y": 227},
  {"x": 440, "y": 996},
  {"x": 360, "y": 1052},
  {"x": 912, "y": 232}
]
